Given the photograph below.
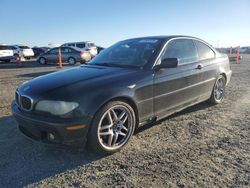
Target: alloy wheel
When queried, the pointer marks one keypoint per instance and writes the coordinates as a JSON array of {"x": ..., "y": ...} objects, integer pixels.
[
  {"x": 42, "y": 61},
  {"x": 71, "y": 61},
  {"x": 219, "y": 89},
  {"x": 115, "y": 127}
]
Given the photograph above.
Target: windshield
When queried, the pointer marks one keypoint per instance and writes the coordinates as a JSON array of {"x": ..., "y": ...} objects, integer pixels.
[{"x": 134, "y": 53}]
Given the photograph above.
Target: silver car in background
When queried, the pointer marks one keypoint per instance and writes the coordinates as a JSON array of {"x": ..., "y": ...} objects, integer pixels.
[
  {"x": 70, "y": 55},
  {"x": 85, "y": 46}
]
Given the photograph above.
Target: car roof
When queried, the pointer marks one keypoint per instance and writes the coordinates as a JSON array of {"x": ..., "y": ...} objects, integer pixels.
[
  {"x": 74, "y": 48},
  {"x": 166, "y": 37},
  {"x": 78, "y": 42},
  {"x": 18, "y": 45}
]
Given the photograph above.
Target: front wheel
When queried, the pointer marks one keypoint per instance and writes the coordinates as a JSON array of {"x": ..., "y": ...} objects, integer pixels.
[
  {"x": 42, "y": 60},
  {"x": 16, "y": 57},
  {"x": 218, "y": 90},
  {"x": 71, "y": 61},
  {"x": 112, "y": 127}
]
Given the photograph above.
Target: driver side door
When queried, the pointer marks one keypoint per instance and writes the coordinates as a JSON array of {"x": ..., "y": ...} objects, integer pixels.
[
  {"x": 52, "y": 55},
  {"x": 176, "y": 88}
]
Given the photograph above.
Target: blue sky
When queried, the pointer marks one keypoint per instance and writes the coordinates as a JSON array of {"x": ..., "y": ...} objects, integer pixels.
[{"x": 40, "y": 22}]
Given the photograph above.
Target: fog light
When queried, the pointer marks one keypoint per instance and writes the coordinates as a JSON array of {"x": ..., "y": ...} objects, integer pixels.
[{"x": 51, "y": 136}]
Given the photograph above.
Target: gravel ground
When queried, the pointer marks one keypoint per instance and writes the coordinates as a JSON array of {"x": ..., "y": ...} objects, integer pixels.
[{"x": 202, "y": 146}]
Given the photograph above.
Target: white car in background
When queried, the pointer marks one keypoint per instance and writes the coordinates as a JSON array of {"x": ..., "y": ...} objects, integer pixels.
[
  {"x": 85, "y": 46},
  {"x": 25, "y": 51},
  {"x": 17, "y": 51},
  {"x": 6, "y": 53}
]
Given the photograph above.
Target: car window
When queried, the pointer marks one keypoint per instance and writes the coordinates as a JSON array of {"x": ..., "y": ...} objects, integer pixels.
[
  {"x": 66, "y": 50},
  {"x": 54, "y": 51},
  {"x": 183, "y": 49},
  {"x": 13, "y": 47},
  {"x": 80, "y": 45},
  {"x": 204, "y": 51},
  {"x": 71, "y": 45},
  {"x": 24, "y": 47},
  {"x": 4, "y": 47},
  {"x": 91, "y": 44}
]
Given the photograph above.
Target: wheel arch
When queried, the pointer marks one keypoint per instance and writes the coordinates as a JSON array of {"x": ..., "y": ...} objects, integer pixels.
[
  {"x": 127, "y": 100},
  {"x": 71, "y": 57},
  {"x": 224, "y": 75}
]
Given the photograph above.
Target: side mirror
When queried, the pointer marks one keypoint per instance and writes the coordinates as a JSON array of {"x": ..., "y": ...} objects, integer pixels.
[{"x": 169, "y": 63}]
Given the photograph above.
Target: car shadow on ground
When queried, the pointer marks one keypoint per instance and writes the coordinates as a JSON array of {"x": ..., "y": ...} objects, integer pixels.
[{"x": 23, "y": 161}]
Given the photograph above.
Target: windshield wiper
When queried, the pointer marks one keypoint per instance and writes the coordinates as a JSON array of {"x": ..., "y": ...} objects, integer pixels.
[
  {"x": 113, "y": 65},
  {"x": 102, "y": 64}
]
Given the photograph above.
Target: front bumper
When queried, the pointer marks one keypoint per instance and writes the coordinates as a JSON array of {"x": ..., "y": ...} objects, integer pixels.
[{"x": 52, "y": 130}]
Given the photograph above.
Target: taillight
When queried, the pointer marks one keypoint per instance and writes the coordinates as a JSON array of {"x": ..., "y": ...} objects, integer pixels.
[{"x": 81, "y": 53}]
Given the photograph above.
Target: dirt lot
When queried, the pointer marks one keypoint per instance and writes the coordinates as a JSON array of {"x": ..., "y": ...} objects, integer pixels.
[{"x": 203, "y": 146}]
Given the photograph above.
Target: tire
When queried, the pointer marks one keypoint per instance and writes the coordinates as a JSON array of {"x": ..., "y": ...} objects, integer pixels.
[
  {"x": 42, "y": 61},
  {"x": 71, "y": 60},
  {"x": 16, "y": 56},
  {"x": 83, "y": 62},
  {"x": 218, "y": 93},
  {"x": 109, "y": 134}
]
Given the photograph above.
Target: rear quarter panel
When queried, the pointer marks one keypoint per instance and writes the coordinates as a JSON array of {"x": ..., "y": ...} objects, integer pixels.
[{"x": 212, "y": 69}]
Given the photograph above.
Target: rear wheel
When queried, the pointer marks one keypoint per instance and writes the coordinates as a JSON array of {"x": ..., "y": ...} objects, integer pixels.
[
  {"x": 42, "y": 60},
  {"x": 16, "y": 56},
  {"x": 112, "y": 127},
  {"x": 218, "y": 91},
  {"x": 71, "y": 61}
]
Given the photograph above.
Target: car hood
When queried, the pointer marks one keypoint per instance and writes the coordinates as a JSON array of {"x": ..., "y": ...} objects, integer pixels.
[{"x": 86, "y": 73}]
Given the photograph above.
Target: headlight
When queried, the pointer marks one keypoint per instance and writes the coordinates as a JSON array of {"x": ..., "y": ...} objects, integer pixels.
[{"x": 56, "y": 107}]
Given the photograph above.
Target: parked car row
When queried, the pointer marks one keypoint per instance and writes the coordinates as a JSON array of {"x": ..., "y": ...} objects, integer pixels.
[
  {"x": 71, "y": 52},
  {"x": 11, "y": 52},
  {"x": 85, "y": 46}
]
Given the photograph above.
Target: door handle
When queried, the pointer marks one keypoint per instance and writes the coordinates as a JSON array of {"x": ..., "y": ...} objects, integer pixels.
[{"x": 199, "y": 67}]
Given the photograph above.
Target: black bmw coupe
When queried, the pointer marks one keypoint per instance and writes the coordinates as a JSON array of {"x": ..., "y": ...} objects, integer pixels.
[{"x": 130, "y": 84}]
